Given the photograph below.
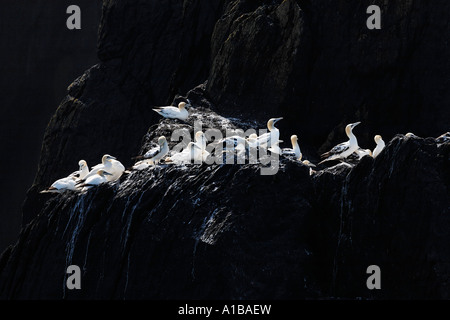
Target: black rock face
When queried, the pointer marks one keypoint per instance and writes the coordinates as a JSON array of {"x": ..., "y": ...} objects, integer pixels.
[
  {"x": 149, "y": 52},
  {"x": 226, "y": 231},
  {"x": 317, "y": 64},
  {"x": 397, "y": 217}
]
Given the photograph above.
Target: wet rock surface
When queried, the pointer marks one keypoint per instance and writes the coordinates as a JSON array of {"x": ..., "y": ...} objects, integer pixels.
[{"x": 226, "y": 231}]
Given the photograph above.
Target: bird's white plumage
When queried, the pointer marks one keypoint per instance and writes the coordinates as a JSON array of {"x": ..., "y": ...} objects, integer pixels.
[
  {"x": 345, "y": 149},
  {"x": 271, "y": 138},
  {"x": 98, "y": 178},
  {"x": 154, "y": 155},
  {"x": 67, "y": 183},
  {"x": 363, "y": 152},
  {"x": 201, "y": 142},
  {"x": 110, "y": 165},
  {"x": 191, "y": 152},
  {"x": 380, "y": 146},
  {"x": 70, "y": 182},
  {"x": 171, "y": 112},
  {"x": 444, "y": 138},
  {"x": 294, "y": 151},
  {"x": 252, "y": 140}
]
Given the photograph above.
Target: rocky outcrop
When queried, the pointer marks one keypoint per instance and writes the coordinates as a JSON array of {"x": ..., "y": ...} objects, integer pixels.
[
  {"x": 222, "y": 232},
  {"x": 149, "y": 53},
  {"x": 317, "y": 64},
  {"x": 395, "y": 214},
  {"x": 227, "y": 232}
]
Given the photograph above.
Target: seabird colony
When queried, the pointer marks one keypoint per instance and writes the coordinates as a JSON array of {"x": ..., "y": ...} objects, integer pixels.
[{"x": 110, "y": 169}]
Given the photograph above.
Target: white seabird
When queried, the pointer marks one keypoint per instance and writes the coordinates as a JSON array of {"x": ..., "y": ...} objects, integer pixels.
[
  {"x": 380, "y": 145},
  {"x": 192, "y": 152},
  {"x": 69, "y": 182},
  {"x": 271, "y": 138},
  {"x": 111, "y": 165},
  {"x": 100, "y": 176},
  {"x": 171, "y": 112},
  {"x": 237, "y": 146},
  {"x": 154, "y": 155},
  {"x": 343, "y": 150},
  {"x": 363, "y": 152},
  {"x": 443, "y": 138},
  {"x": 201, "y": 141},
  {"x": 295, "y": 151},
  {"x": 252, "y": 140},
  {"x": 84, "y": 170},
  {"x": 233, "y": 143}
]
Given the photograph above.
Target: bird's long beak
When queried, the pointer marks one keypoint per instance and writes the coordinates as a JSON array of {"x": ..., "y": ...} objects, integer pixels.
[
  {"x": 355, "y": 124},
  {"x": 107, "y": 173},
  {"x": 113, "y": 158},
  {"x": 277, "y": 119}
]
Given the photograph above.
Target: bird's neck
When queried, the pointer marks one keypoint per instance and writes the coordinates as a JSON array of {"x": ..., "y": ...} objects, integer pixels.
[{"x": 351, "y": 136}]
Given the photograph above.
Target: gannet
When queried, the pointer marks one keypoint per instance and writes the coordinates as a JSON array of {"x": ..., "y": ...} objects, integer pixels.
[
  {"x": 380, "y": 145},
  {"x": 295, "y": 151},
  {"x": 171, "y": 112},
  {"x": 443, "y": 138},
  {"x": 343, "y": 150},
  {"x": 201, "y": 141},
  {"x": 363, "y": 152},
  {"x": 154, "y": 155},
  {"x": 308, "y": 163},
  {"x": 252, "y": 140},
  {"x": 110, "y": 165},
  {"x": 233, "y": 142},
  {"x": 271, "y": 138},
  {"x": 237, "y": 146},
  {"x": 192, "y": 152},
  {"x": 100, "y": 176},
  {"x": 84, "y": 169},
  {"x": 69, "y": 182},
  {"x": 82, "y": 172}
]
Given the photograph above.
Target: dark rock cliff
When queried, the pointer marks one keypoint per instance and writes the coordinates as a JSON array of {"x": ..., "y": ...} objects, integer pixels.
[
  {"x": 318, "y": 63},
  {"x": 227, "y": 231}
]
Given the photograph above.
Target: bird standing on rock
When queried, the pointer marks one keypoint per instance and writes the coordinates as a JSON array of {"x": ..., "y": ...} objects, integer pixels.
[
  {"x": 271, "y": 138},
  {"x": 295, "y": 151},
  {"x": 154, "y": 155},
  {"x": 343, "y": 150},
  {"x": 380, "y": 146}
]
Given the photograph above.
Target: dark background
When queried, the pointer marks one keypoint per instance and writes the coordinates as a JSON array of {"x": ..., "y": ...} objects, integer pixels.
[{"x": 39, "y": 58}]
